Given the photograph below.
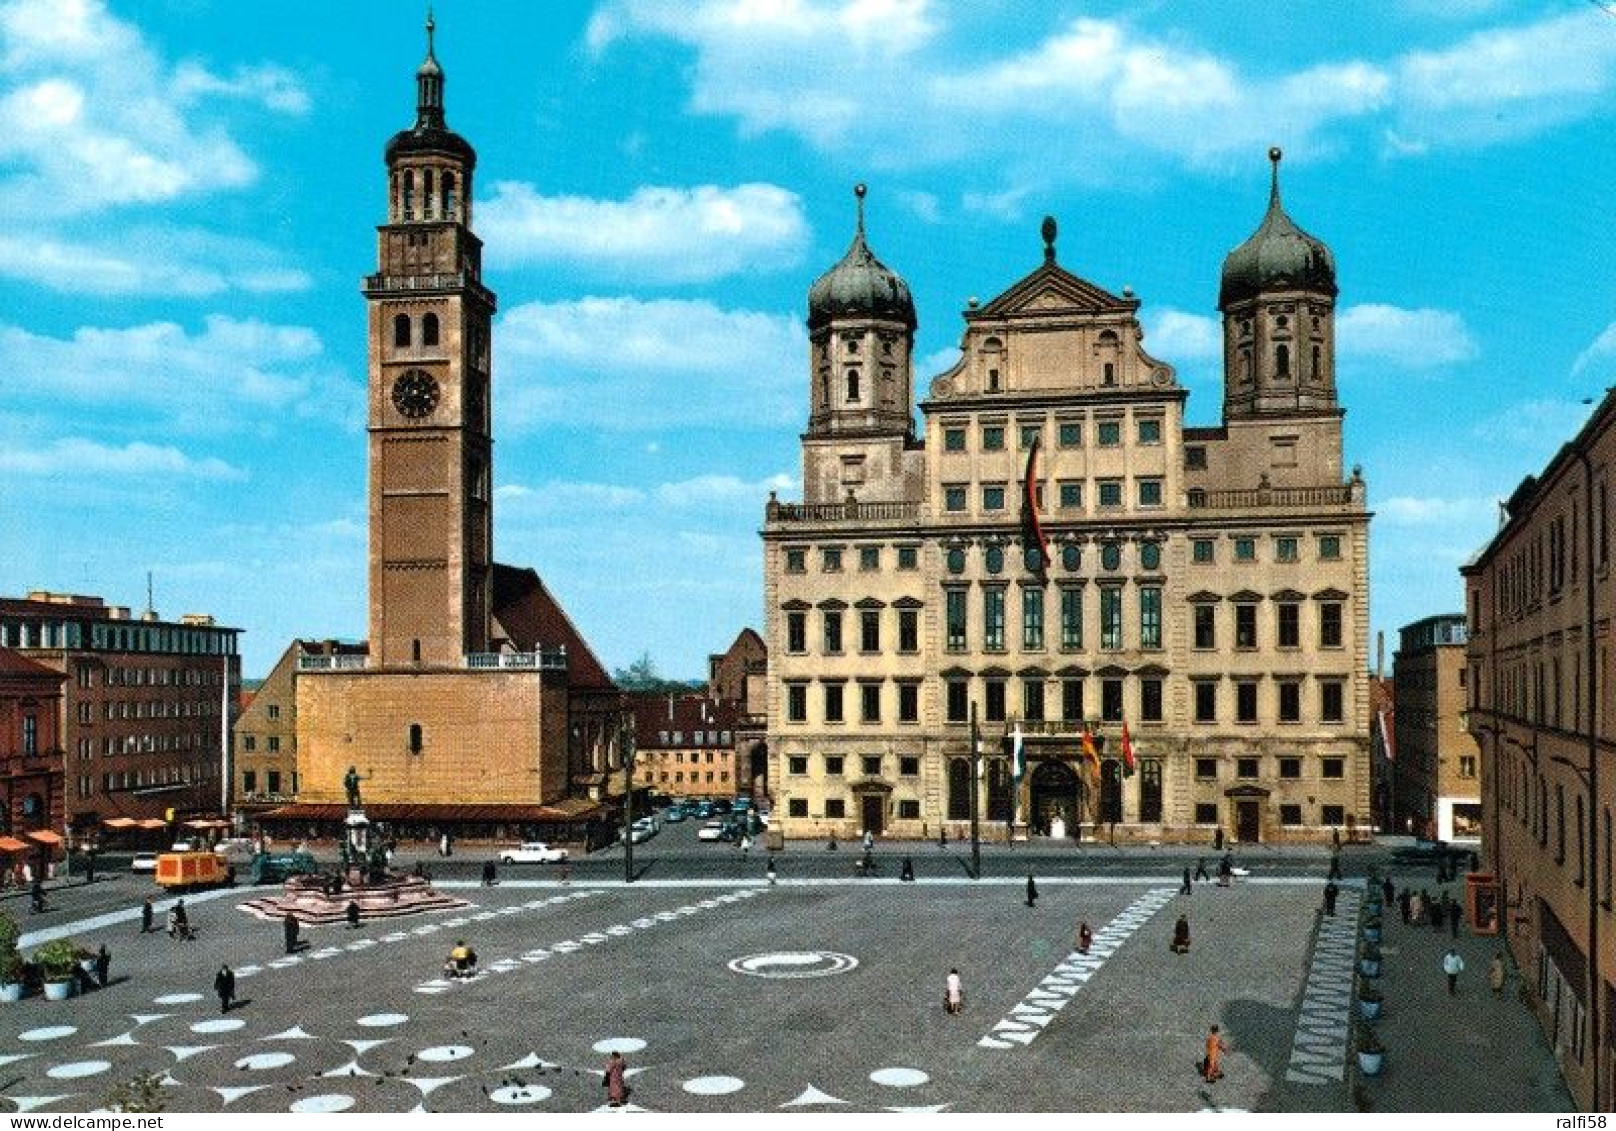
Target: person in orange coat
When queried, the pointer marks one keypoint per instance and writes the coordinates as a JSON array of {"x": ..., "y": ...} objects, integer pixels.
[{"x": 1212, "y": 1066}]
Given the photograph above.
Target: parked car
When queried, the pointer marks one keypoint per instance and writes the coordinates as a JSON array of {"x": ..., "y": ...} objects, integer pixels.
[
  {"x": 144, "y": 862},
  {"x": 712, "y": 830},
  {"x": 702, "y": 811},
  {"x": 742, "y": 804},
  {"x": 533, "y": 852},
  {"x": 642, "y": 830},
  {"x": 721, "y": 806},
  {"x": 674, "y": 814}
]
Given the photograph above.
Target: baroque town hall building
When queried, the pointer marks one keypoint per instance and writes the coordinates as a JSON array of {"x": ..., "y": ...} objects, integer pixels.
[{"x": 1207, "y": 588}]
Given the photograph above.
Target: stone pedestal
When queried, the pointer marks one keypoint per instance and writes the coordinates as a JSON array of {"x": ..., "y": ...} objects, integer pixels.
[{"x": 391, "y": 897}]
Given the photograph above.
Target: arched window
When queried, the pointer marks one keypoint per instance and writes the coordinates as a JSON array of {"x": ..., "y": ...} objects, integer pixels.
[
  {"x": 1282, "y": 360},
  {"x": 401, "y": 331},
  {"x": 427, "y": 202},
  {"x": 429, "y": 330},
  {"x": 409, "y": 195},
  {"x": 852, "y": 386},
  {"x": 449, "y": 212}
]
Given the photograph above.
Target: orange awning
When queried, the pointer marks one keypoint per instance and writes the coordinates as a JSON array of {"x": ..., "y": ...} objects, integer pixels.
[
  {"x": 43, "y": 836},
  {"x": 120, "y": 822},
  {"x": 208, "y": 823},
  {"x": 12, "y": 844},
  {"x": 152, "y": 823}
]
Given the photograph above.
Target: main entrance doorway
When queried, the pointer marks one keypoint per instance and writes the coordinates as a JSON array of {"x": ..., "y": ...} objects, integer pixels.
[
  {"x": 1248, "y": 821},
  {"x": 1055, "y": 804},
  {"x": 874, "y": 810}
]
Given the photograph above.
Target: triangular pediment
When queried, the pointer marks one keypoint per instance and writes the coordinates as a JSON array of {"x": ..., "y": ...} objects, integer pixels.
[{"x": 1053, "y": 289}]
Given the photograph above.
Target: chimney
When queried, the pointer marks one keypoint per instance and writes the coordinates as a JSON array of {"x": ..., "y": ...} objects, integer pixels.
[
  {"x": 670, "y": 706},
  {"x": 1380, "y": 654}
]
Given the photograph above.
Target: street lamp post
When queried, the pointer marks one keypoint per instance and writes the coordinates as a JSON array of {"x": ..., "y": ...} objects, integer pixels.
[
  {"x": 626, "y": 746},
  {"x": 976, "y": 769}
]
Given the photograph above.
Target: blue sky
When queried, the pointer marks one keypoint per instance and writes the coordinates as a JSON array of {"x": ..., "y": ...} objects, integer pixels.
[{"x": 190, "y": 189}]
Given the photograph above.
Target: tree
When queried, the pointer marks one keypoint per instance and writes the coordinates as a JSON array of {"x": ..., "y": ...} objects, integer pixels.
[{"x": 642, "y": 676}]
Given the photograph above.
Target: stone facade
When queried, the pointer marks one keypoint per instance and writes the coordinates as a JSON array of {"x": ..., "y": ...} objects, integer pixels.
[
  {"x": 1541, "y": 598},
  {"x": 1437, "y": 768},
  {"x": 1206, "y": 587},
  {"x": 686, "y": 746},
  {"x": 31, "y": 781}
]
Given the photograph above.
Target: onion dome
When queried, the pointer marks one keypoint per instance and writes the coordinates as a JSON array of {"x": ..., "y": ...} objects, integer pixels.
[
  {"x": 1279, "y": 256},
  {"x": 430, "y": 134},
  {"x": 860, "y": 286}
]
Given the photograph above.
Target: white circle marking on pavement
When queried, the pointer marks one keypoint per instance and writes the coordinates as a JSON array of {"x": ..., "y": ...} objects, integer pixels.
[
  {"x": 619, "y": 1044},
  {"x": 714, "y": 1085},
  {"x": 512, "y": 1095},
  {"x": 218, "y": 1025},
  {"x": 48, "y": 1033},
  {"x": 78, "y": 1068},
  {"x": 899, "y": 1077},
  {"x": 259, "y": 1061},
  {"x": 176, "y": 999},
  {"x": 441, "y": 1053},
  {"x": 330, "y": 1102},
  {"x": 382, "y": 1020},
  {"x": 795, "y": 964}
]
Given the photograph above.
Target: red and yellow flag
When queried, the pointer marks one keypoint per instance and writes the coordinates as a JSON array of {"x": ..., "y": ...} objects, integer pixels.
[
  {"x": 1089, "y": 752},
  {"x": 1127, "y": 753}
]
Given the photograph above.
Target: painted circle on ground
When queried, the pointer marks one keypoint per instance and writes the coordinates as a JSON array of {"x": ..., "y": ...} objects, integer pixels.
[
  {"x": 78, "y": 1068},
  {"x": 382, "y": 1020},
  {"x": 619, "y": 1044},
  {"x": 48, "y": 1033},
  {"x": 899, "y": 1077},
  {"x": 259, "y": 1061},
  {"x": 176, "y": 999},
  {"x": 218, "y": 1025},
  {"x": 332, "y": 1101},
  {"x": 438, "y": 1054},
  {"x": 794, "y": 964},
  {"x": 714, "y": 1085},
  {"x": 513, "y": 1095}
]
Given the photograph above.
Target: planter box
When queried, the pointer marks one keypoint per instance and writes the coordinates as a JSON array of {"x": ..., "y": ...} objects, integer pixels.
[
  {"x": 1369, "y": 967},
  {"x": 10, "y": 991},
  {"x": 1368, "y": 1010},
  {"x": 1371, "y": 934},
  {"x": 58, "y": 991},
  {"x": 1369, "y": 1062}
]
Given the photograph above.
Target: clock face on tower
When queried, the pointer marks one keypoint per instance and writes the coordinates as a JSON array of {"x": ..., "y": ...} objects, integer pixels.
[{"x": 415, "y": 394}]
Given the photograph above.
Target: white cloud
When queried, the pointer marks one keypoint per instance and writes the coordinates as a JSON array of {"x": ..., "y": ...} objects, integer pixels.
[
  {"x": 722, "y": 490},
  {"x": 659, "y": 234},
  {"x": 73, "y": 456},
  {"x": 1410, "y": 339},
  {"x": 1174, "y": 336},
  {"x": 1414, "y": 510},
  {"x": 1535, "y": 428},
  {"x": 709, "y": 492},
  {"x": 1601, "y": 352},
  {"x": 148, "y": 261},
  {"x": 630, "y": 364},
  {"x": 274, "y": 87}
]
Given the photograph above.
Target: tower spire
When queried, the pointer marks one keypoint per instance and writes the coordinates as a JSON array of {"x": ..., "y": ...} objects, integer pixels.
[
  {"x": 1274, "y": 154},
  {"x": 429, "y": 83},
  {"x": 859, "y": 190}
]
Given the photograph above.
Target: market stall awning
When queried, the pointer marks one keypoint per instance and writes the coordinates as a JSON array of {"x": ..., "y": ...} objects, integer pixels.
[
  {"x": 208, "y": 823},
  {"x": 12, "y": 844},
  {"x": 332, "y": 811},
  {"x": 151, "y": 823},
  {"x": 43, "y": 836},
  {"x": 120, "y": 822}
]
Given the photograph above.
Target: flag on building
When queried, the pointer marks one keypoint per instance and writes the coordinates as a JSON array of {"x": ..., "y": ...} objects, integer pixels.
[
  {"x": 1032, "y": 531},
  {"x": 1018, "y": 754},
  {"x": 1127, "y": 753},
  {"x": 1089, "y": 751}
]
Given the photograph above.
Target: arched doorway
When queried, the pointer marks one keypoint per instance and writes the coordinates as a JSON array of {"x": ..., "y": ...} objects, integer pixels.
[{"x": 1054, "y": 800}]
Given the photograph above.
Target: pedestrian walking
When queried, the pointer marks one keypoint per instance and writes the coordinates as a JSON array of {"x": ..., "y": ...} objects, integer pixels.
[
  {"x": 1212, "y": 1062},
  {"x": 1452, "y": 966},
  {"x": 353, "y": 914},
  {"x": 36, "y": 897},
  {"x": 770, "y": 872},
  {"x": 953, "y": 993},
  {"x": 89, "y": 867},
  {"x": 1335, "y": 866},
  {"x": 616, "y": 1086},
  {"x": 1387, "y": 890},
  {"x": 1416, "y": 909},
  {"x": 1438, "y": 912},
  {"x": 1085, "y": 938},
  {"x": 1403, "y": 900},
  {"x": 1217, "y": 840},
  {"x": 290, "y": 928},
  {"x": 1186, "y": 887},
  {"x": 1032, "y": 892},
  {"x": 489, "y": 873},
  {"x": 869, "y": 842},
  {"x": 146, "y": 916},
  {"x": 1200, "y": 869},
  {"x": 1453, "y": 920},
  {"x": 1495, "y": 974},
  {"x": 1225, "y": 871},
  {"x": 103, "y": 966},
  {"x": 1335, "y": 841},
  {"x": 1331, "y": 894},
  {"x": 907, "y": 872},
  {"x": 224, "y": 984},
  {"x": 1181, "y": 935}
]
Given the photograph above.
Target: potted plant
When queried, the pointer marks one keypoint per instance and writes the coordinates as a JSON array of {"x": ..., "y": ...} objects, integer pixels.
[
  {"x": 58, "y": 960},
  {"x": 1370, "y": 1002},
  {"x": 1369, "y": 960},
  {"x": 1372, "y": 929},
  {"x": 1371, "y": 1053},
  {"x": 11, "y": 963}
]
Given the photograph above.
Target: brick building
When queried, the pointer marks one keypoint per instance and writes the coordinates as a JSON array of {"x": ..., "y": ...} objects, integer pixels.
[
  {"x": 1437, "y": 772},
  {"x": 685, "y": 746},
  {"x": 31, "y": 785}
]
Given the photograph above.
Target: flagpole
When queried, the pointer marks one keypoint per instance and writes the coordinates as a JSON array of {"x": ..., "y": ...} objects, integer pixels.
[{"x": 976, "y": 765}]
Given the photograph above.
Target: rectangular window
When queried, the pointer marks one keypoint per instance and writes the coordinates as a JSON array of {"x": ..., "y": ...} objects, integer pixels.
[
  {"x": 833, "y": 702},
  {"x": 869, "y": 558},
  {"x": 1150, "y": 616},
  {"x": 1110, "y": 617},
  {"x": 1245, "y": 549},
  {"x": 908, "y": 557},
  {"x": 1245, "y": 702},
  {"x": 1329, "y": 547},
  {"x": 273, "y": 781},
  {"x": 1071, "y": 494},
  {"x": 1071, "y": 614},
  {"x": 1246, "y": 767},
  {"x": 1206, "y": 701},
  {"x": 955, "y": 609},
  {"x": 954, "y": 498},
  {"x": 871, "y": 764},
  {"x": 249, "y": 743},
  {"x": 1332, "y": 814},
  {"x": 1108, "y": 433},
  {"x": 1195, "y": 457},
  {"x": 835, "y": 808},
  {"x": 1150, "y": 431},
  {"x": 249, "y": 781},
  {"x": 908, "y": 630},
  {"x": 1150, "y": 492},
  {"x": 1032, "y": 699},
  {"x": 797, "y": 806},
  {"x": 1206, "y": 625},
  {"x": 832, "y": 562},
  {"x": 1030, "y": 434},
  {"x": 1245, "y": 626},
  {"x": 1334, "y": 768},
  {"x": 1206, "y": 813},
  {"x": 796, "y": 631},
  {"x": 993, "y": 496},
  {"x": 1150, "y": 791},
  {"x": 908, "y": 702},
  {"x": 1290, "y": 625},
  {"x": 1071, "y": 700},
  {"x": 1032, "y": 618},
  {"x": 1290, "y": 701},
  {"x": 1201, "y": 551},
  {"x": 797, "y": 702},
  {"x": 908, "y": 810},
  {"x": 993, "y": 618},
  {"x": 1071, "y": 434},
  {"x": 1111, "y": 700},
  {"x": 869, "y": 630},
  {"x": 993, "y": 438},
  {"x": 953, "y": 439},
  {"x": 274, "y": 744},
  {"x": 1285, "y": 550},
  {"x": 833, "y": 630},
  {"x": 870, "y": 702},
  {"x": 1150, "y": 700},
  {"x": 1206, "y": 768},
  {"x": 1330, "y": 624},
  {"x": 959, "y": 710},
  {"x": 1110, "y": 492},
  {"x": 1290, "y": 767},
  {"x": 796, "y": 561},
  {"x": 1290, "y": 814},
  {"x": 1331, "y": 702},
  {"x": 1467, "y": 765},
  {"x": 993, "y": 701},
  {"x": 909, "y": 767}
]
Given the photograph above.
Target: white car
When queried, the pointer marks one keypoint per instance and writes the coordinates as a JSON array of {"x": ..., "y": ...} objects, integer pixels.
[
  {"x": 641, "y": 831},
  {"x": 533, "y": 852},
  {"x": 144, "y": 862},
  {"x": 712, "y": 830}
]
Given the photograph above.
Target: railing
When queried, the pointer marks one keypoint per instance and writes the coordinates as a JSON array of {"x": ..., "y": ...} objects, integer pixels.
[
  {"x": 447, "y": 281},
  {"x": 1331, "y": 496},
  {"x": 542, "y": 659},
  {"x": 314, "y": 662},
  {"x": 851, "y": 511}
]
